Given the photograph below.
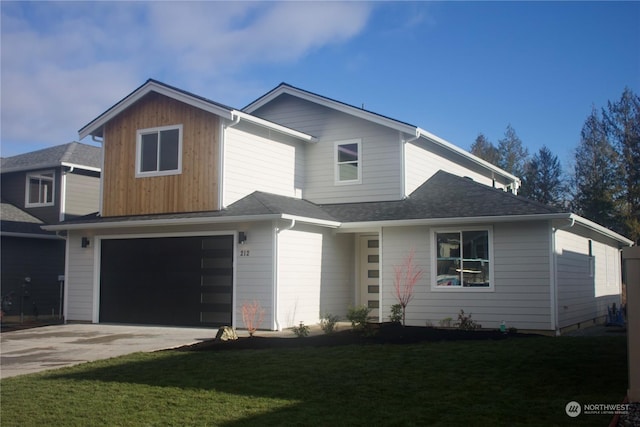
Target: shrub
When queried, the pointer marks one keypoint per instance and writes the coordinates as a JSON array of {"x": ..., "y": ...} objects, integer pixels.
[
  {"x": 465, "y": 322},
  {"x": 396, "y": 313},
  {"x": 405, "y": 278},
  {"x": 446, "y": 322},
  {"x": 328, "y": 323},
  {"x": 358, "y": 317},
  {"x": 252, "y": 316},
  {"x": 301, "y": 331}
]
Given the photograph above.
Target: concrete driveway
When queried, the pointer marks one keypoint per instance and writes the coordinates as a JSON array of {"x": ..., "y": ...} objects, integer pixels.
[{"x": 34, "y": 350}]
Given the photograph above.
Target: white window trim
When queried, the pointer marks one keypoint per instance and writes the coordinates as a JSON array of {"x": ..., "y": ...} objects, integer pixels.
[
  {"x": 336, "y": 168},
  {"x": 139, "y": 133},
  {"x": 434, "y": 261},
  {"x": 40, "y": 174}
]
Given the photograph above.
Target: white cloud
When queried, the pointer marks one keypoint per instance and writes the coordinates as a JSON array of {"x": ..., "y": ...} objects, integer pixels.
[{"x": 64, "y": 63}]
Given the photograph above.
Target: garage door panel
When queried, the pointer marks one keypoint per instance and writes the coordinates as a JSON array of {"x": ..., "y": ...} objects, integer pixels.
[{"x": 169, "y": 281}]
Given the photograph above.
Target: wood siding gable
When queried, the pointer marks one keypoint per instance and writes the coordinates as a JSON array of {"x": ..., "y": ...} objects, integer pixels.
[{"x": 194, "y": 189}]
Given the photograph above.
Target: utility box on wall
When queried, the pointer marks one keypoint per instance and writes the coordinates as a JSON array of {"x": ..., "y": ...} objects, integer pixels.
[{"x": 631, "y": 259}]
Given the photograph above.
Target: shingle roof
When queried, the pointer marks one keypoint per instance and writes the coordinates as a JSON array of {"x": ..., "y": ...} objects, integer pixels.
[
  {"x": 74, "y": 153},
  {"x": 15, "y": 220},
  {"x": 442, "y": 196}
]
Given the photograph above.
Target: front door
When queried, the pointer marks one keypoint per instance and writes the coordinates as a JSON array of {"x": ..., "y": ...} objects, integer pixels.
[{"x": 370, "y": 274}]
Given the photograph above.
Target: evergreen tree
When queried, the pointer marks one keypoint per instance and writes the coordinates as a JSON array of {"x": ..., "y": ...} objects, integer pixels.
[
  {"x": 596, "y": 179},
  {"x": 485, "y": 149},
  {"x": 513, "y": 155},
  {"x": 622, "y": 124},
  {"x": 542, "y": 180}
]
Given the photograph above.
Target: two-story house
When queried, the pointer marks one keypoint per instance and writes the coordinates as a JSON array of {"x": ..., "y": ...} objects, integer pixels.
[
  {"x": 39, "y": 188},
  {"x": 305, "y": 205}
]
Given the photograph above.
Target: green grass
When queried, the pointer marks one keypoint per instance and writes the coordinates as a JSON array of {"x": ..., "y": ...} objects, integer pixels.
[{"x": 510, "y": 382}]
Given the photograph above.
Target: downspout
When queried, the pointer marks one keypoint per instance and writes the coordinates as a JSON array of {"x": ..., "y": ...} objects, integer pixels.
[
  {"x": 554, "y": 275},
  {"x": 276, "y": 288},
  {"x": 223, "y": 134}
]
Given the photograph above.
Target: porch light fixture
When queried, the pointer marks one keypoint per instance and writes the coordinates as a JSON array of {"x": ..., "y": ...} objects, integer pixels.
[
  {"x": 242, "y": 237},
  {"x": 85, "y": 242}
]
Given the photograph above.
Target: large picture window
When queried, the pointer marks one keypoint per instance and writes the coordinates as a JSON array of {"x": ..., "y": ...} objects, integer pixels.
[
  {"x": 348, "y": 162},
  {"x": 159, "y": 151},
  {"x": 463, "y": 259},
  {"x": 40, "y": 189}
]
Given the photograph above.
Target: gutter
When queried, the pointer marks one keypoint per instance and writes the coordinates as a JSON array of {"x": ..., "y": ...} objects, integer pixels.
[{"x": 189, "y": 221}]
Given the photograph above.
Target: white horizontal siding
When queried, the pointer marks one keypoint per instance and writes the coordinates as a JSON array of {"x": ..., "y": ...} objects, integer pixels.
[
  {"x": 521, "y": 295},
  {"x": 423, "y": 160},
  {"x": 582, "y": 296},
  {"x": 79, "y": 279},
  {"x": 256, "y": 161},
  {"x": 254, "y": 273},
  {"x": 380, "y": 158},
  {"x": 299, "y": 277},
  {"x": 82, "y": 194}
]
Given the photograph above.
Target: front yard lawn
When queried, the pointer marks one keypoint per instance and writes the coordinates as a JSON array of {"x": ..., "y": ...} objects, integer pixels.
[{"x": 516, "y": 381}]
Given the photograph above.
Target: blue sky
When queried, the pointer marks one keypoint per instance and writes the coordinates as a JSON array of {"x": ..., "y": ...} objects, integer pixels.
[{"x": 453, "y": 68}]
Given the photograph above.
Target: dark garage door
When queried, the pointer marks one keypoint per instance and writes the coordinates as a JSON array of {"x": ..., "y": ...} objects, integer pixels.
[{"x": 185, "y": 281}]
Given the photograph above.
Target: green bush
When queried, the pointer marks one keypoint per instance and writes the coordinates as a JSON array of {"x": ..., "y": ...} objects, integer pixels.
[
  {"x": 358, "y": 317},
  {"x": 301, "y": 331},
  {"x": 396, "y": 313},
  {"x": 465, "y": 322},
  {"x": 328, "y": 323}
]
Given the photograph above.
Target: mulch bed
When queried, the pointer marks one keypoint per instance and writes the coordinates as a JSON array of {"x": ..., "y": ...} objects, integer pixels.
[{"x": 385, "y": 333}]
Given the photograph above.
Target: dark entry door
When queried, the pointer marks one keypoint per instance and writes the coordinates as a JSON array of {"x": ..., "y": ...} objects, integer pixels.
[{"x": 183, "y": 281}]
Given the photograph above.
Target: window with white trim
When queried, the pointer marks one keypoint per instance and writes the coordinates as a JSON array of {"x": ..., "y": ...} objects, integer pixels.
[
  {"x": 159, "y": 151},
  {"x": 40, "y": 189},
  {"x": 463, "y": 259},
  {"x": 348, "y": 158}
]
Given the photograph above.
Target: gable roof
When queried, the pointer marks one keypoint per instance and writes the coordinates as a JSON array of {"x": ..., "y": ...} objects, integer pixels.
[
  {"x": 73, "y": 154},
  {"x": 16, "y": 222},
  {"x": 443, "y": 199},
  {"x": 443, "y": 196},
  {"x": 95, "y": 128},
  {"x": 413, "y": 131}
]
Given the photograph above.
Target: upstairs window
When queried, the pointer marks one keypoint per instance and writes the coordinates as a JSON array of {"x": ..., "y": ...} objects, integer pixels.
[
  {"x": 348, "y": 156},
  {"x": 159, "y": 151},
  {"x": 463, "y": 260},
  {"x": 40, "y": 189}
]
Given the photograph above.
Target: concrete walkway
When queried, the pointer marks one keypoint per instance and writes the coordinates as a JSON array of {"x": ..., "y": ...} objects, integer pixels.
[{"x": 38, "y": 349}]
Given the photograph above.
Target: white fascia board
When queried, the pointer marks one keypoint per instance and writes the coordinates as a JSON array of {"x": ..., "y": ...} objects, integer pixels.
[
  {"x": 77, "y": 166},
  {"x": 32, "y": 235},
  {"x": 161, "y": 222},
  {"x": 314, "y": 221},
  {"x": 587, "y": 223},
  {"x": 451, "y": 147},
  {"x": 274, "y": 126},
  {"x": 151, "y": 86},
  {"x": 189, "y": 221},
  {"x": 355, "y": 226}
]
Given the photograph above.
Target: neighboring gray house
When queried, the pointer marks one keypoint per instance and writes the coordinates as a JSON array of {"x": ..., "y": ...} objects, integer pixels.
[
  {"x": 39, "y": 188},
  {"x": 305, "y": 205}
]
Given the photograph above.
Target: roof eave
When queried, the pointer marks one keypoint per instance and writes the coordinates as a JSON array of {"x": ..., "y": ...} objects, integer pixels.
[
  {"x": 188, "y": 221},
  {"x": 95, "y": 127}
]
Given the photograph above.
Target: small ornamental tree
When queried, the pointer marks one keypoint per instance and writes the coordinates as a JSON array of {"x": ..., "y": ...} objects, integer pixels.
[
  {"x": 252, "y": 316},
  {"x": 405, "y": 278}
]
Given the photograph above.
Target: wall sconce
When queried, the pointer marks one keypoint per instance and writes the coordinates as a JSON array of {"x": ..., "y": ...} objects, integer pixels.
[
  {"x": 85, "y": 242},
  {"x": 242, "y": 237}
]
